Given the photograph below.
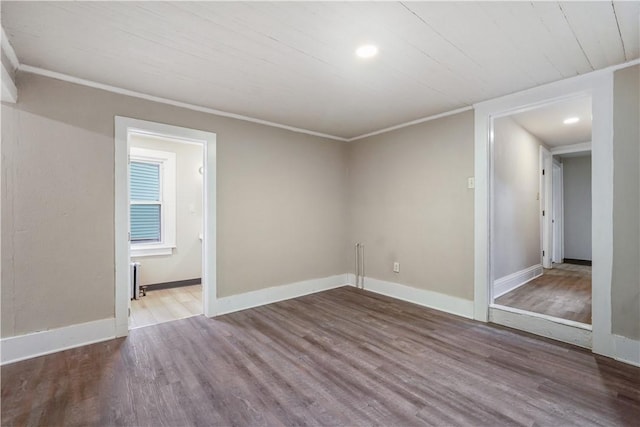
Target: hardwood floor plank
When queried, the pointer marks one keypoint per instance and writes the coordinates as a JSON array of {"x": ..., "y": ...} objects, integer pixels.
[
  {"x": 165, "y": 305},
  {"x": 344, "y": 357},
  {"x": 563, "y": 291}
]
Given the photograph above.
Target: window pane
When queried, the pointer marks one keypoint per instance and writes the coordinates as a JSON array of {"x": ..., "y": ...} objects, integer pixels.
[
  {"x": 145, "y": 181},
  {"x": 145, "y": 223}
]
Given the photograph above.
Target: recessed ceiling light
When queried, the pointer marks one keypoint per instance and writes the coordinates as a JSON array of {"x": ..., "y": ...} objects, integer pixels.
[
  {"x": 571, "y": 120},
  {"x": 367, "y": 51}
]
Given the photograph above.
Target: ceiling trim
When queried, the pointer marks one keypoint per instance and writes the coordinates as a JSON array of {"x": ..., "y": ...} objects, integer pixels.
[
  {"x": 127, "y": 92},
  {"x": 114, "y": 89},
  {"x": 608, "y": 69},
  {"x": 9, "y": 90},
  {"x": 411, "y": 123},
  {"x": 573, "y": 148},
  {"x": 489, "y": 103},
  {"x": 9, "y": 51}
]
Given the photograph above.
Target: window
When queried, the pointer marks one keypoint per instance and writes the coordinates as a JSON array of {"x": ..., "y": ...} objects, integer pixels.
[
  {"x": 152, "y": 189},
  {"x": 146, "y": 202}
]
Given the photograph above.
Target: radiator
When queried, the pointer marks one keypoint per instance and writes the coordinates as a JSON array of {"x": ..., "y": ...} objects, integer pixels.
[{"x": 135, "y": 280}]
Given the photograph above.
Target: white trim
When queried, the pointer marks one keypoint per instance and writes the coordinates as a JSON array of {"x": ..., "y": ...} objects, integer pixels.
[
  {"x": 514, "y": 280},
  {"x": 121, "y": 227},
  {"x": 558, "y": 329},
  {"x": 172, "y": 139},
  {"x": 602, "y": 213},
  {"x": 9, "y": 89},
  {"x": 553, "y": 319},
  {"x": 599, "y": 85},
  {"x": 573, "y": 148},
  {"x": 411, "y": 123},
  {"x": 273, "y": 294},
  {"x": 9, "y": 51},
  {"x": 115, "y": 89},
  {"x": 441, "y": 302},
  {"x": 611, "y": 68},
  {"x": 545, "y": 191},
  {"x": 483, "y": 215},
  {"x": 160, "y": 100},
  {"x": 558, "y": 211},
  {"x": 22, "y": 347},
  {"x": 150, "y": 249},
  {"x": 627, "y": 350},
  {"x": 123, "y": 127}
]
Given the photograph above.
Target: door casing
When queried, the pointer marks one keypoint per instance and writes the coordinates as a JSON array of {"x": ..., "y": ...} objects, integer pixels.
[{"x": 124, "y": 126}]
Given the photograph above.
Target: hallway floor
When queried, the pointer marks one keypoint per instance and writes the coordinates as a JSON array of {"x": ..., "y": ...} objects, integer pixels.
[
  {"x": 165, "y": 305},
  {"x": 563, "y": 291}
]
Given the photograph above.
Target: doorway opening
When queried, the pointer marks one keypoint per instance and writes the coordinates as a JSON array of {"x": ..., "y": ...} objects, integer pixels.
[
  {"x": 599, "y": 86},
  {"x": 541, "y": 204},
  {"x": 165, "y": 218},
  {"x": 542, "y": 218}
]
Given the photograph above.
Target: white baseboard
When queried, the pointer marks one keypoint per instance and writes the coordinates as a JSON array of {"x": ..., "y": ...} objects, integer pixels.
[
  {"x": 539, "y": 324},
  {"x": 442, "y": 302},
  {"x": 508, "y": 283},
  {"x": 277, "y": 293},
  {"x": 21, "y": 347},
  {"x": 627, "y": 350}
]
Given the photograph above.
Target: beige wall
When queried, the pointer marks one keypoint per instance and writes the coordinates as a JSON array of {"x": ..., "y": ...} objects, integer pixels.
[
  {"x": 288, "y": 208},
  {"x": 281, "y": 203},
  {"x": 576, "y": 181},
  {"x": 57, "y": 222},
  {"x": 625, "y": 286},
  {"x": 186, "y": 260},
  {"x": 516, "y": 231},
  {"x": 409, "y": 203}
]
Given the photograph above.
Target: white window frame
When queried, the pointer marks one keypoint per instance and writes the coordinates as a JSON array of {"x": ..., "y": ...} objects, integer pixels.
[{"x": 167, "y": 162}]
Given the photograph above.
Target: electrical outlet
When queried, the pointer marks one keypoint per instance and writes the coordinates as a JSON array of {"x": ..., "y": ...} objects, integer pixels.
[{"x": 396, "y": 267}]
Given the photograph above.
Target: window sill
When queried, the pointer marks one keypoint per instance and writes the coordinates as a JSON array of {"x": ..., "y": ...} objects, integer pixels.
[{"x": 151, "y": 250}]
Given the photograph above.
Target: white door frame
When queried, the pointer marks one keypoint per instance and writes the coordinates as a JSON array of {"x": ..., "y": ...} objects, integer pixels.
[
  {"x": 124, "y": 126},
  {"x": 546, "y": 200},
  {"x": 598, "y": 85},
  {"x": 558, "y": 187},
  {"x": 557, "y": 212}
]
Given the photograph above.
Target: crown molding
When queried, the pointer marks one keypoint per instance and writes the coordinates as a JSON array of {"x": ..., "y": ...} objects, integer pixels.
[
  {"x": 127, "y": 92},
  {"x": 114, "y": 89},
  {"x": 161, "y": 100},
  {"x": 411, "y": 123},
  {"x": 9, "y": 51},
  {"x": 573, "y": 148},
  {"x": 9, "y": 90}
]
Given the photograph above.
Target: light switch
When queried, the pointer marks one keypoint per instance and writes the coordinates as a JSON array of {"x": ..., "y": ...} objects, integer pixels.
[{"x": 471, "y": 182}]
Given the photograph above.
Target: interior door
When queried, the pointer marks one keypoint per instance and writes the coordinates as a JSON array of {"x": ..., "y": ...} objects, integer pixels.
[
  {"x": 546, "y": 194},
  {"x": 557, "y": 214}
]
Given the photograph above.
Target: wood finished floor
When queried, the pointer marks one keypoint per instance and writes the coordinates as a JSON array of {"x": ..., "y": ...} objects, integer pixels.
[
  {"x": 343, "y": 357},
  {"x": 166, "y": 305},
  {"x": 563, "y": 291}
]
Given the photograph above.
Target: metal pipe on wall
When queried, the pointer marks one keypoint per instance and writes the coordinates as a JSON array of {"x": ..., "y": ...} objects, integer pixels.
[
  {"x": 359, "y": 282},
  {"x": 362, "y": 273},
  {"x": 357, "y": 270}
]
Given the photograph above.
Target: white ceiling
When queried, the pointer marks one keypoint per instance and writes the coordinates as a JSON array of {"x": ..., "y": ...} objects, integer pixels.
[
  {"x": 546, "y": 122},
  {"x": 293, "y": 62}
]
